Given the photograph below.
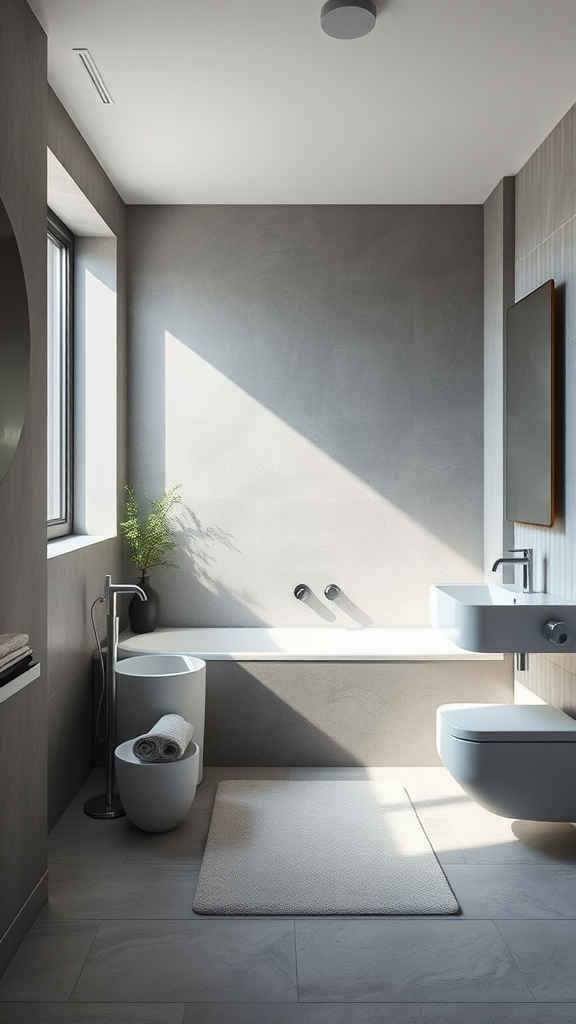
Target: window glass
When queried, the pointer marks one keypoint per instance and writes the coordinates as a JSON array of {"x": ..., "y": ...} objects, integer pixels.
[{"x": 59, "y": 374}]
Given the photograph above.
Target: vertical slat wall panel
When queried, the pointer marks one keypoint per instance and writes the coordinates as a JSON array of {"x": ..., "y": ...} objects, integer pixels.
[{"x": 545, "y": 238}]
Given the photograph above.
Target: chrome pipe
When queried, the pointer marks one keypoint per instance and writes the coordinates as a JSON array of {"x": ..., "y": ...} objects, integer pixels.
[{"x": 108, "y": 804}]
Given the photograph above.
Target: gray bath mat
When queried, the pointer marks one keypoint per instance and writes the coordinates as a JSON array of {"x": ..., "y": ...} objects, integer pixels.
[{"x": 319, "y": 848}]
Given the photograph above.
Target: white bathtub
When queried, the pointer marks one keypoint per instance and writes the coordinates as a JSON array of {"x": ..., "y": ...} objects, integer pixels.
[{"x": 278, "y": 644}]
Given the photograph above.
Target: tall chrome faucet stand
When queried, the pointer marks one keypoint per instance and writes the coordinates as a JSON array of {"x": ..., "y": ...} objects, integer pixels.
[{"x": 108, "y": 804}]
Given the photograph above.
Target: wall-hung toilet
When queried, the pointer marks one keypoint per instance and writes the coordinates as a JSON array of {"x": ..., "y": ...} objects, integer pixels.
[{"x": 516, "y": 760}]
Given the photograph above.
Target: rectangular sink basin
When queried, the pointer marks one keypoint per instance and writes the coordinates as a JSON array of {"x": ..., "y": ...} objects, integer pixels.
[{"x": 500, "y": 619}]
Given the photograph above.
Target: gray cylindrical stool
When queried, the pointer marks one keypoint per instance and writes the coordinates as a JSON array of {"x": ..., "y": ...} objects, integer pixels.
[
  {"x": 156, "y": 795},
  {"x": 151, "y": 685}
]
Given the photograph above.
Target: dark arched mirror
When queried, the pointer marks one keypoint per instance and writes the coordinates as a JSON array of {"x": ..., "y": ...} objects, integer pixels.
[{"x": 14, "y": 344}]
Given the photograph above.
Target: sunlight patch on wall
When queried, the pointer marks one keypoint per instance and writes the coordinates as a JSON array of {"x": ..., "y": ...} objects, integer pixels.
[
  {"x": 95, "y": 387},
  {"x": 291, "y": 512}
]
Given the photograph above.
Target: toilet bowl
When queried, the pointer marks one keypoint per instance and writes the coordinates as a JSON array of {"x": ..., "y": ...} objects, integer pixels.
[
  {"x": 156, "y": 796},
  {"x": 516, "y": 760}
]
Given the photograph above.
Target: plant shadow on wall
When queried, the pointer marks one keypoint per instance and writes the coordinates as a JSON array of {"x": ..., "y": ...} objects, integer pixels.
[
  {"x": 196, "y": 595},
  {"x": 156, "y": 528}
]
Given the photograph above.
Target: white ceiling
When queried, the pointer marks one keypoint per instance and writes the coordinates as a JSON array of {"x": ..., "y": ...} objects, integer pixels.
[{"x": 248, "y": 101}]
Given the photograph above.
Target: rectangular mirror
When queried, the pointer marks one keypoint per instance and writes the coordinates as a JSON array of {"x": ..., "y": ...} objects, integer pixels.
[{"x": 529, "y": 428}]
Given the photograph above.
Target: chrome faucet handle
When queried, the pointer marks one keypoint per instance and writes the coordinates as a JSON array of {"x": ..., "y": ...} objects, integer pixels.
[{"x": 527, "y": 568}]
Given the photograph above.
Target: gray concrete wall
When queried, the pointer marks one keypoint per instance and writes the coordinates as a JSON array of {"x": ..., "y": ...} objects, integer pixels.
[
  {"x": 76, "y": 578},
  {"x": 312, "y": 375}
]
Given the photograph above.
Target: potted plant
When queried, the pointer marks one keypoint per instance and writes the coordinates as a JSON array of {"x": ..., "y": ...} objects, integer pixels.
[{"x": 149, "y": 538}]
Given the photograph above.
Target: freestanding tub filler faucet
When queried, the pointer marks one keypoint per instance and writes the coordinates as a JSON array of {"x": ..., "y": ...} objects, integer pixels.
[
  {"x": 108, "y": 805},
  {"x": 526, "y": 560}
]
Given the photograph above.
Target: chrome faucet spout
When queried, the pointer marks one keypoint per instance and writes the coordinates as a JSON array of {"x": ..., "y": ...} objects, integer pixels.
[
  {"x": 111, "y": 589},
  {"x": 526, "y": 561}
]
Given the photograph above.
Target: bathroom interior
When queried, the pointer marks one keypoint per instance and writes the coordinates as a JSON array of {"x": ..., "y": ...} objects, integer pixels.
[{"x": 315, "y": 352}]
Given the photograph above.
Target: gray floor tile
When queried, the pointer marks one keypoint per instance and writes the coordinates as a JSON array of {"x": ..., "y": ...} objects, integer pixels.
[
  {"x": 501, "y": 891},
  {"x": 431, "y": 805},
  {"x": 49, "y": 961},
  {"x": 191, "y": 961},
  {"x": 242, "y": 970},
  {"x": 204, "y": 799},
  {"x": 120, "y": 891},
  {"x": 92, "y": 1013},
  {"x": 498, "y": 840},
  {"x": 87, "y": 840},
  {"x": 544, "y": 952},
  {"x": 500, "y": 1013},
  {"x": 442, "y": 842},
  {"x": 183, "y": 845},
  {"x": 93, "y": 786},
  {"x": 405, "y": 961},
  {"x": 303, "y": 1013},
  {"x": 437, "y": 779}
]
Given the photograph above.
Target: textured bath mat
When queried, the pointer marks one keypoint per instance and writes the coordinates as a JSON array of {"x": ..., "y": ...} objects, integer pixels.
[{"x": 318, "y": 848}]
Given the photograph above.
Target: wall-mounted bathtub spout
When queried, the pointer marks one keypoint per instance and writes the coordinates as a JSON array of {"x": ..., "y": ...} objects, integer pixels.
[
  {"x": 301, "y": 592},
  {"x": 332, "y": 591},
  {"x": 108, "y": 805}
]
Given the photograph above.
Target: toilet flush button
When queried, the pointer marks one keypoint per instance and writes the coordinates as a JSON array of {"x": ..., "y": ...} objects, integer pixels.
[{"x": 558, "y": 633}]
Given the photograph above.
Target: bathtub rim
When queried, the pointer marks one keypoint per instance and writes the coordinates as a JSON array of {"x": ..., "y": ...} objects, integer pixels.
[{"x": 434, "y": 646}]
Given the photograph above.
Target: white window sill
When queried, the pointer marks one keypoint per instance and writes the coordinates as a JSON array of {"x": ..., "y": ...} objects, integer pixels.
[{"x": 73, "y": 542}]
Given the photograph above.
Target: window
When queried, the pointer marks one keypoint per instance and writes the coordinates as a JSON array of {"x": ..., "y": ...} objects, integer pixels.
[{"x": 60, "y": 263}]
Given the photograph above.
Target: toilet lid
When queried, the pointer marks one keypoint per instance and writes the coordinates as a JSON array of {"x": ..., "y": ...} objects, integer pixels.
[{"x": 507, "y": 722}]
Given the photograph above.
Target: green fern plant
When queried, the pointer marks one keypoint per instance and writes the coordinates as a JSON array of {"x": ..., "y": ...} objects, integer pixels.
[{"x": 149, "y": 538}]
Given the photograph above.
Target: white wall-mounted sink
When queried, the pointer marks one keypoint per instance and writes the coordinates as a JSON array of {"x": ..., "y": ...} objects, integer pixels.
[{"x": 503, "y": 619}]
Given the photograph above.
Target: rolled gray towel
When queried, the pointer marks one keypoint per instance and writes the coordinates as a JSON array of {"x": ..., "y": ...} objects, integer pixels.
[{"x": 166, "y": 741}]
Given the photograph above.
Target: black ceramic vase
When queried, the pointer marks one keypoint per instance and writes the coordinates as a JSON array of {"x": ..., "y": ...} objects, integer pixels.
[{"x": 143, "y": 615}]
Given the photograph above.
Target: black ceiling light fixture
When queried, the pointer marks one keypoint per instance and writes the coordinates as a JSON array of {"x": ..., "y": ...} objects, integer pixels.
[{"x": 348, "y": 19}]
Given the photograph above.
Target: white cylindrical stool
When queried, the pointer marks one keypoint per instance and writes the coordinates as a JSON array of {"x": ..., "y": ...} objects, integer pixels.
[
  {"x": 156, "y": 795},
  {"x": 151, "y": 685}
]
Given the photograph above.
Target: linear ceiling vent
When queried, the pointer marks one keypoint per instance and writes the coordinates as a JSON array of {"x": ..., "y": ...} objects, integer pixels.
[{"x": 87, "y": 62}]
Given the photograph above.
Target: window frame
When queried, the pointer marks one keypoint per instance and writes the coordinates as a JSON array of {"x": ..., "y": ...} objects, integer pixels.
[{"x": 61, "y": 235}]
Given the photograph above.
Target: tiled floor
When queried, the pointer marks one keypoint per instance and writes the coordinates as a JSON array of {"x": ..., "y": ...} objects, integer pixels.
[{"x": 119, "y": 942}]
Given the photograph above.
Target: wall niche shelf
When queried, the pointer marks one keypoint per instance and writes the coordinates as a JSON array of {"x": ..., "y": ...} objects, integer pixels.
[{"x": 32, "y": 672}]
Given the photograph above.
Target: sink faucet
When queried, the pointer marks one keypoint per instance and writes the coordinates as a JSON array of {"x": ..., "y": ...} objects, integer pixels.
[{"x": 526, "y": 561}]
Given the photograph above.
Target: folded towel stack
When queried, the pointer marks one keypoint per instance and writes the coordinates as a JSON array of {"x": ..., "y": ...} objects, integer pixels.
[
  {"x": 166, "y": 741},
  {"x": 15, "y": 655}
]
